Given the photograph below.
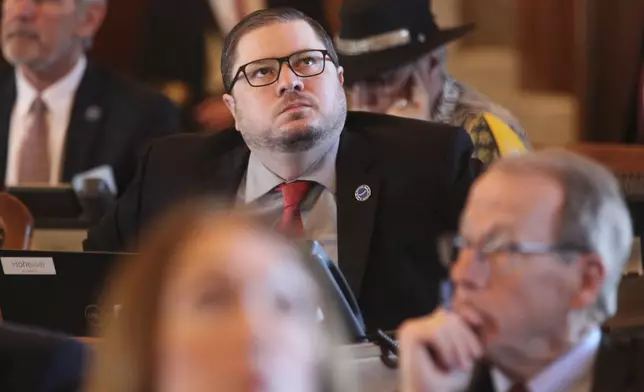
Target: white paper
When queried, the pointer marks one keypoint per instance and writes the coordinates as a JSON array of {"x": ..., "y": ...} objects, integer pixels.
[
  {"x": 28, "y": 265},
  {"x": 104, "y": 173}
]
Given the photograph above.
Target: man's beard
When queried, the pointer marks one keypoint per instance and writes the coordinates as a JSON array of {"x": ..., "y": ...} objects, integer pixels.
[
  {"x": 20, "y": 45},
  {"x": 303, "y": 139},
  {"x": 16, "y": 56},
  {"x": 299, "y": 141},
  {"x": 292, "y": 141}
]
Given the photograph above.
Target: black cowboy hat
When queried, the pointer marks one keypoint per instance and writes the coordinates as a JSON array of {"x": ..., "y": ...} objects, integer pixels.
[{"x": 379, "y": 35}]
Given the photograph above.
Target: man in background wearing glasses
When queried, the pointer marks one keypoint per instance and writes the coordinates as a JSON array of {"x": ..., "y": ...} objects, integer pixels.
[
  {"x": 375, "y": 190},
  {"x": 543, "y": 241}
]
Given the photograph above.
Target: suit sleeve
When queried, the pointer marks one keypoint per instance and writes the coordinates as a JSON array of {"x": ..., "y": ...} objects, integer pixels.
[
  {"x": 65, "y": 372},
  {"x": 116, "y": 231},
  {"x": 37, "y": 360},
  {"x": 461, "y": 172}
]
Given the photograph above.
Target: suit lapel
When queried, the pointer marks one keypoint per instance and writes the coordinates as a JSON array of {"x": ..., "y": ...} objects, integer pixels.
[
  {"x": 355, "y": 167},
  {"x": 224, "y": 174},
  {"x": 614, "y": 368},
  {"x": 85, "y": 123},
  {"x": 481, "y": 379},
  {"x": 8, "y": 98}
]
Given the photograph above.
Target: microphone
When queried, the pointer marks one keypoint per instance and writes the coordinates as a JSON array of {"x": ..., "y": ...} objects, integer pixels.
[{"x": 332, "y": 281}]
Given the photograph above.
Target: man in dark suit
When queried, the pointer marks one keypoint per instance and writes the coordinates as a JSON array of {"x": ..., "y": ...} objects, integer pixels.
[
  {"x": 180, "y": 50},
  {"x": 543, "y": 242},
  {"x": 61, "y": 114},
  {"x": 36, "y": 361},
  {"x": 375, "y": 190}
]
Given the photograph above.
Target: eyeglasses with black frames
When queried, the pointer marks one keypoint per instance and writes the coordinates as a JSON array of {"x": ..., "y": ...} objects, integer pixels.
[{"x": 264, "y": 72}]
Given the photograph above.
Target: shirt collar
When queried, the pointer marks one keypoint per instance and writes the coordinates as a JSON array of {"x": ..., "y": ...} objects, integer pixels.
[
  {"x": 260, "y": 180},
  {"x": 561, "y": 374},
  {"x": 56, "y": 95}
]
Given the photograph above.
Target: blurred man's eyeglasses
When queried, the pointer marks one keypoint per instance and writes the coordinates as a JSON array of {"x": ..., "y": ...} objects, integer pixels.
[
  {"x": 264, "y": 72},
  {"x": 495, "y": 244},
  {"x": 382, "y": 93}
]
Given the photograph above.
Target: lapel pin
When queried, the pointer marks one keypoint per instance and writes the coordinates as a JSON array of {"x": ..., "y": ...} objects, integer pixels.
[
  {"x": 363, "y": 193},
  {"x": 93, "y": 113}
]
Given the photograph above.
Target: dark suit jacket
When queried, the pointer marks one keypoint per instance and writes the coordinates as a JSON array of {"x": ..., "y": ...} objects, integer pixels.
[
  {"x": 37, "y": 361},
  {"x": 129, "y": 116},
  {"x": 173, "y": 46},
  {"x": 419, "y": 174},
  {"x": 618, "y": 368}
]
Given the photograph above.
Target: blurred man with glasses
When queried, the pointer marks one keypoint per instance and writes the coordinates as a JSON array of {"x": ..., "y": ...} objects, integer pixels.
[
  {"x": 373, "y": 189},
  {"x": 538, "y": 261}
]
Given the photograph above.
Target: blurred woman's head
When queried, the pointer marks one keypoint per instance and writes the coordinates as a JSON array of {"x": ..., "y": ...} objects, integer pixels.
[{"x": 213, "y": 302}]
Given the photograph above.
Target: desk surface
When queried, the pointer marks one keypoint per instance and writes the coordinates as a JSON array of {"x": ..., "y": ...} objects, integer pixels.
[{"x": 58, "y": 240}]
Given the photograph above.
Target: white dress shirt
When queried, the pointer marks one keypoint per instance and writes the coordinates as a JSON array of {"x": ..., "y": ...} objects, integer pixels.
[
  {"x": 318, "y": 209},
  {"x": 59, "y": 98},
  {"x": 573, "y": 372}
]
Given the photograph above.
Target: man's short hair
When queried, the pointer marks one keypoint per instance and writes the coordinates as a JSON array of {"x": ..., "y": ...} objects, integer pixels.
[
  {"x": 263, "y": 18},
  {"x": 593, "y": 216}
]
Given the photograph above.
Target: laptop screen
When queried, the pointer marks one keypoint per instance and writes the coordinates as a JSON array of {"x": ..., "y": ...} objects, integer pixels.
[{"x": 59, "y": 291}]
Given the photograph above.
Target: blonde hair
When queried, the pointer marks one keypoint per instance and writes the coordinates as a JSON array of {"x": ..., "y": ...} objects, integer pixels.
[{"x": 125, "y": 353}]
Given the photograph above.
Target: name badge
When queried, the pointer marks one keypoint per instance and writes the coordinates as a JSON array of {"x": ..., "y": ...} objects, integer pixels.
[{"x": 28, "y": 265}]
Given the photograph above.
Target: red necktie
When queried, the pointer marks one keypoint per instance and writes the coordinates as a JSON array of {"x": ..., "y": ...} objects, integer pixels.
[
  {"x": 518, "y": 388},
  {"x": 293, "y": 194}
]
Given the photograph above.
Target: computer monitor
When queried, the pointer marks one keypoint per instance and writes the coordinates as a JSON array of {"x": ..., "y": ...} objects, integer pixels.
[
  {"x": 51, "y": 207},
  {"x": 59, "y": 291}
]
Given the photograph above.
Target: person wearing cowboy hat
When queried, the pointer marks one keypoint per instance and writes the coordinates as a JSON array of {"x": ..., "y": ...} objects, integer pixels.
[{"x": 394, "y": 58}]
